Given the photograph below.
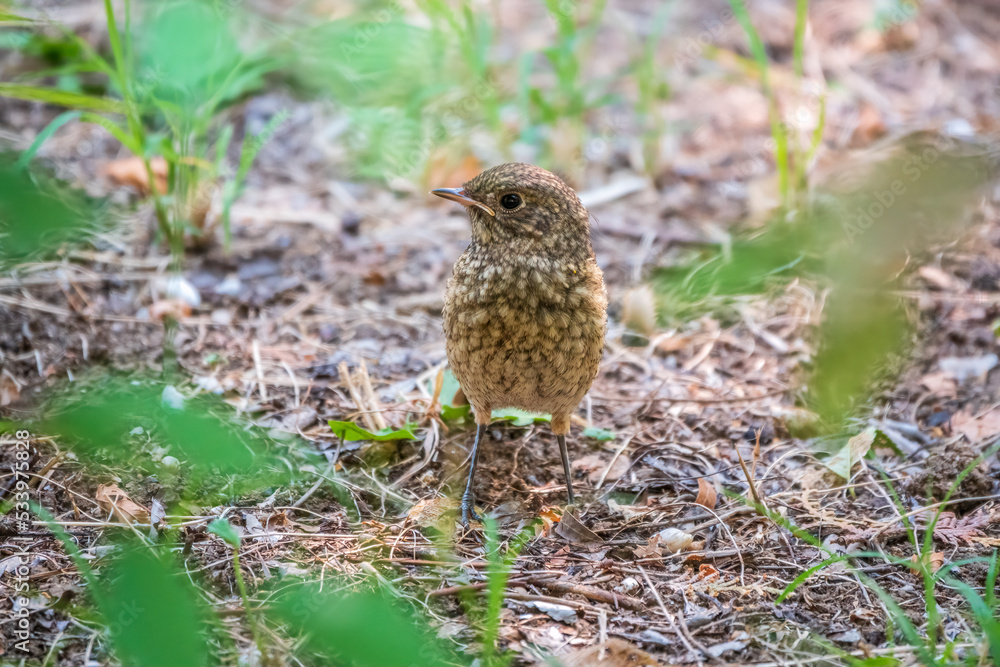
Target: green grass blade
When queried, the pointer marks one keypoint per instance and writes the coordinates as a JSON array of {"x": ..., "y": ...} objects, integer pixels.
[
  {"x": 991, "y": 581},
  {"x": 61, "y": 98},
  {"x": 45, "y": 135},
  {"x": 799, "y": 580},
  {"x": 116, "y": 130},
  {"x": 115, "y": 38},
  {"x": 7, "y": 17},
  {"x": 801, "y": 16}
]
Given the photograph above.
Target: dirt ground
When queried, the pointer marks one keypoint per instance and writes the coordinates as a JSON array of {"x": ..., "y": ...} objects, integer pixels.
[{"x": 327, "y": 272}]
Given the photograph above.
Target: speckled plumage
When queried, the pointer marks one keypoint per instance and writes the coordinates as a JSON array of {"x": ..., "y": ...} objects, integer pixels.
[{"x": 525, "y": 309}]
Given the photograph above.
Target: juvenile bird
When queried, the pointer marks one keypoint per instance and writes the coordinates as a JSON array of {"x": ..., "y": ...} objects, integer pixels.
[{"x": 525, "y": 311}]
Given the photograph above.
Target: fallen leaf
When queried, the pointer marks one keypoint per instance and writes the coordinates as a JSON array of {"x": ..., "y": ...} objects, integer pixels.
[
  {"x": 557, "y": 612},
  {"x": 10, "y": 564},
  {"x": 707, "y": 495},
  {"x": 132, "y": 172},
  {"x": 735, "y": 645},
  {"x": 671, "y": 343},
  {"x": 157, "y": 512},
  {"x": 432, "y": 512},
  {"x": 594, "y": 464},
  {"x": 169, "y": 309},
  {"x": 115, "y": 502},
  {"x": 977, "y": 429},
  {"x": 940, "y": 383},
  {"x": 933, "y": 562},
  {"x": 550, "y": 519},
  {"x": 572, "y": 530},
  {"x": 10, "y": 390},
  {"x": 612, "y": 653},
  {"x": 850, "y": 454},
  {"x": 649, "y": 550}
]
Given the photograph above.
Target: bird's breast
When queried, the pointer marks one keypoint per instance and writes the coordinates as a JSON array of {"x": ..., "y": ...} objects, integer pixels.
[{"x": 525, "y": 330}]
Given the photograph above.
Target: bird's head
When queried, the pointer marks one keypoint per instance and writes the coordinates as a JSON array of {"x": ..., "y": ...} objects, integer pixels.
[{"x": 517, "y": 201}]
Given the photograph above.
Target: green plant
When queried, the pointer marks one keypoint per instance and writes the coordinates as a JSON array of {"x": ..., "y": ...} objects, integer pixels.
[
  {"x": 162, "y": 103},
  {"x": 487, "y": 618},
  {"x": 926, "y": 644},
  {"x": 652, "y": 88},
  {"x": 792, "y": 156},
  {"x": 865, "y": 324},
  {"x": 38, "y": 213},
  {"x": 224, "y": 530}
]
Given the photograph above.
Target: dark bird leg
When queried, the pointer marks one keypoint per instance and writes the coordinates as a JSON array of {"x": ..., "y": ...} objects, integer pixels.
[
  {"x": 569, "y": 476},
  {"x": 469, "y": 498}
]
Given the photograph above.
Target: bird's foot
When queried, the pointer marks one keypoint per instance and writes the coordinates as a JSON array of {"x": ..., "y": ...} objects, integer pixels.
[{"x": 469, "y": 511}]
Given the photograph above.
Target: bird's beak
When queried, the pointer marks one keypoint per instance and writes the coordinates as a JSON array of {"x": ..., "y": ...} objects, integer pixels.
[{"x": 458, "y": 194}]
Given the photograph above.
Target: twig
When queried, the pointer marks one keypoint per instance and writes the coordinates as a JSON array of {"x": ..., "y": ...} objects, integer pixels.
[{"x": 259, "y": 369}]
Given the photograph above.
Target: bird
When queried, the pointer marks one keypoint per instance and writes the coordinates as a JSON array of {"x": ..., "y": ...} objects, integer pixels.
[{"x": 525, "y": 309}]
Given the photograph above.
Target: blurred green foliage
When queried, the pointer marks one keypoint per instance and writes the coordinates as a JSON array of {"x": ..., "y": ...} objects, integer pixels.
[
  {"x": 362, "y": 629},
  {"x": 155, "y": 615},
  {"x": 38, "y": 213},
  {"x": 129, "y": 423},
  {"x": 854, "y": 241}
]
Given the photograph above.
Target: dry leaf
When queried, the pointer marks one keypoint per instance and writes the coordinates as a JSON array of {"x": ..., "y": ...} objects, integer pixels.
[
  {"x": 940, "y": 383},
  {"x": 856, "y": 448},
  {"x": 173, "y": 309},
  {"x": 10, "y": 390},
  {"x": 977, "y": 429},
  {"x": 649, "y": 550},
  {"x": 115, "y": 502},
  {"x": 707, "y": 495},
  {"x": 594, "y": 465},
  {"x": 612, "y": 653},
  {"x": 550, "y": 519},
  {"x": 432, "y": 511},
  {"x": 132, "y": 172},
  {"x": 571, "y": 530},
  {"x": 628, "y": 511},
  {"x": 934, "y": 562},
  {"x": 157, "y": 512},
  {"x": 870, "y": 126},
  {"x": 670, "y": 343}
]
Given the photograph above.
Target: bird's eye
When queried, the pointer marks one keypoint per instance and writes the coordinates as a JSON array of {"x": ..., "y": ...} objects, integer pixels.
[{"x": 510, "y": 201}]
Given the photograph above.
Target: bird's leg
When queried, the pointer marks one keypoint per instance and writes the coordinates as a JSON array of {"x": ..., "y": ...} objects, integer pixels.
[
  {"x": 469, "y": 498},
  {"x": 569, "y": 477}
]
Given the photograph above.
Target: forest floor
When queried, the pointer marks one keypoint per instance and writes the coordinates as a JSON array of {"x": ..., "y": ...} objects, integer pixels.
[{"x": 327, "y": 274}]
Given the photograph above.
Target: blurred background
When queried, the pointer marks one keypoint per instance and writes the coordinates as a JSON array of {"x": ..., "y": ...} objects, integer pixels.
[{"x": 220, "y": 298}]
